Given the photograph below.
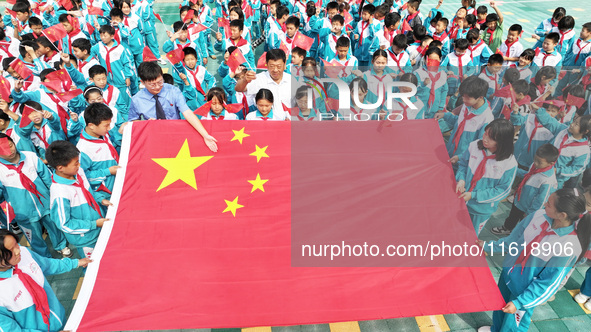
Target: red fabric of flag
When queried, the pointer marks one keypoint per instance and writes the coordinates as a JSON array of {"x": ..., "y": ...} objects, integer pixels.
[
  {"x": 55, "y": 32},
  {"x": 25, "y": 121},
  {"x": 4, "y": 89},
  {"x": 262, "y": 61},
  {"x": 6, "y": 207},
  {"x": 61, "y": 76},
  {"x": 158, "y": 17},
  {"x": 239, "y": 234},
  {"x": 68, "y": 95},
  {"x": 5, "y": 146},
  {"x": 11, "y": 2},
  {"x": 95, "y": 11},
  {"x": 236, "y": 59},
  {"x": 189, "y": 16},
  {"x": 53, "y": 85},
  {"x": 233, "y": 108},
  {"x": 21, "y": 69},
  {"x": 303, "y": 41},
  {"x": 203, "y": 109},
  {"x": 175, "y": 56},
  {"x": 67, "y": 4},
  {"x": 148, "y": 56},
  {"x": 198, "y": 28}
]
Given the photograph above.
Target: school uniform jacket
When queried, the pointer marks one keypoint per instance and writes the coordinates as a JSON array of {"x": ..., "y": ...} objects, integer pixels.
[
  {"x": 17, "y": 308},
  {"x": 71, "y": 212},
  {"x": 27, "y": 206},
  {"x": 536, "y": 191},
  {"x": 542, "y": 136},
  {"x": 95, "y": 160},
  {"x": 473, "y": 130},
  {"x": 120, "y": 62},
  {"x": 543, "y": 274}
]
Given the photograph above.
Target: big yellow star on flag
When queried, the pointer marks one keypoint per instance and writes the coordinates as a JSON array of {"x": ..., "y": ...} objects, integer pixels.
[
  {"x": 258, "y": 183},
  {"x": 232, "y": 206},
  {"x": 182, "y": 167},
  {"x": 239, "y": 135},
  {"x": 260, "y": 153}
]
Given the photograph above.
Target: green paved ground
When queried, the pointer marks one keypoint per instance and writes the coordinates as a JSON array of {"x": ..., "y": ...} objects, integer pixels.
[{"x": 563, "y": 314}]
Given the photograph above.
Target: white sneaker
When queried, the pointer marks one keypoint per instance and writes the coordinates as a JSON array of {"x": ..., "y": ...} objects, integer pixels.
[
  {"x": 587, "y": 305},
  {"x": 581, "y": 298},
  {"x": 66, "y": 252},
  {"x": 484, "y": 329},
  {"x": 162, "y": 61}
]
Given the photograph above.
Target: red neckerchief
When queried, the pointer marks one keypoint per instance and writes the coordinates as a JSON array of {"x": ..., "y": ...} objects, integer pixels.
[
  {"x": 434, "y": 79},
  {"x": 112, "y": 149},
  {"x": 422, "y": 50},
  {"x": 364, "y": 26},
  {"x": 382, "y": 83},
  {"x": 509, "y": 46},
  {"x": 473, "y": 48},
  {"x": 71, "y": 35},
  {"x": 409, "y": 18},
  {"x": 537, "y": 125},
  {"x": 453, "y": 32},
  {"x": 564, "y": 145},
  {"x": 61, "y": 112},
  {"x": 460, "y": 129},
  {"x": 389, "y": 35},
  {"x": 289, "y": 40},
  {"x": 546, "y": 55},
  {"x": 441, "y": 37},
  {"x": 481, "y": 22},
  {"x": 197, "y": 83},
  {"x": 395, "y": 57},
  {"x": 310, "y": 118},
  {"x": 81, "y": 64},
  {"x": 110, "y": 90},
  {"x": 533, "y": 171},
  {"x": 87, "y": 195},
  {"x": 554, "y": 24},
  {"x": 491, "y": 32},
  {"x": 580, "y": 48},
  {"x": 562, "y": 34},
  {"x": 213, "y": 117},
  {"x": 26, "y": 182},
  {"x": 240, "y": 42},
  {"x": 460, "y": 67},
  {"x": 344, "y": 74},
  {"x": 47, "y": 59},
  {"x": 108, "y": 57},
  {"x": 494, "y": 78},
  {"x": 43, "y": 136},
  {"x": 480, "y": 170},
  {"x": 37, "y": 293}
]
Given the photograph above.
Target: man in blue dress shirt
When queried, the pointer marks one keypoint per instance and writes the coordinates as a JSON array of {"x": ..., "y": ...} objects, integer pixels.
[{"x": 161, "y": 101}]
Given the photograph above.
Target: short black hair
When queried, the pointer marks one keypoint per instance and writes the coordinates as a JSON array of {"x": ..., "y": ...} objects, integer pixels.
[
  {"x": 462, "y": 44},
  {"x": 83, "y": 44},
  {"x": 473, "y": 35},
  {"x": 481, "y": 10},
  {"x": 237, "y": 24},
  {"x": 474, "y": 87},
  {"x": 44, "y": 73},
  {"x": 528, "y": 54},
  {"x": 587, "y": 26},
  {"x": 96, "y": 113},
  {"x": 61, "y": 153},
  {"x": 5, "y": 254},
  {"x": 444, "y": 21},
  {"x": 293, "y": 20},
  {"x": 516, "y": 27},
  {"x": 96, "y": 70},
  {"x": 338, "y": 19},
  {"x": 496, "y": 59},
  {"x": 21, "y": 7},
  {"x": 332, "y": 5},
  {"x": 282, "y": 11},
  {"x": 32, "y": 104},
  {"x": 414, "y": 4},
  {"x": 276, "y": 54},
  {"x": 107, "y": 29},
  {"x": 179, "y": 25},
  {"x": 190, "y": 51},
  {"x": 399, "y": 41},
  {"x": 116, "y": 12},
  {"x": 168, "y": 79},
  {"x": 6, "y": 62},
  {"x": 149, "y": 71},
  {"x": 419, "y": 32},
  {"x": 492, "y": 18},
  {"x": 471, "y": 19},
  {"x": 432, "y": 50},
  {"x": 43, "y": 41},
  {"x": 343, "y": 42},
  {"x": 301, "y": 52},
  {"x": 436, "y": 43},
  {"x": 521, "y": 86},
  {"x": 548, "y": 152},
  {"x": 24, "y": 43},
  {"x": 410, "y": 78},
  {"x": 369, "y": 8},
  {"x": 265, "y": 94},
  {"x": 35, "y": 21},
  {"x": 511, "y": 75},
  {"x": 391, "y": 19},
  {"x": 566, "y": 23},
  {"x": 63, "y": 18},
  {"x": 553, "y": 36},
  {"x": 382, "y": 10},
  {"x": 183, "y": 9}
]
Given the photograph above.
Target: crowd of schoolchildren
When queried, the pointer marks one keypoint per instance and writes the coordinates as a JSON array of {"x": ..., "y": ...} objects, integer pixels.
[{"x": 517, "y": 121}]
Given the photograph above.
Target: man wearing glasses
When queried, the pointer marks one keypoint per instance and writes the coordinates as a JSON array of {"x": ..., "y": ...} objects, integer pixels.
[
  {"x": 274, "y": 79},
  {"x": 161, "y": 101}
]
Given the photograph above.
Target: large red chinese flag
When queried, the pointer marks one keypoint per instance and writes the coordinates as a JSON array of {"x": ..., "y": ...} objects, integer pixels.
[
  {"x": 147, "y": 55},
  {"x": 175, "y": 56},
  {"x": 21, "y": 69},
  {"x": 211, "y": 240},
  {"x": 55, "y": 32}
]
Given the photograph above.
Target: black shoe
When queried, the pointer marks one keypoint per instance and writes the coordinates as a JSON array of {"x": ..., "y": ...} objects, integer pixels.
[
  {"x": 500, "y": 230},
  {"x": 15, "y": 229}
]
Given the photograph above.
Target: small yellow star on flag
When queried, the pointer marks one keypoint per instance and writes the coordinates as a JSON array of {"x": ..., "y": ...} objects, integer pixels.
[
  {"x": 182, "y": 167},
  {"x": 232, "y": 206},
  {"x": 239, "y": 135},
  {"x": 258, "y": 183},
  {"x": 260, "y": 153}
]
